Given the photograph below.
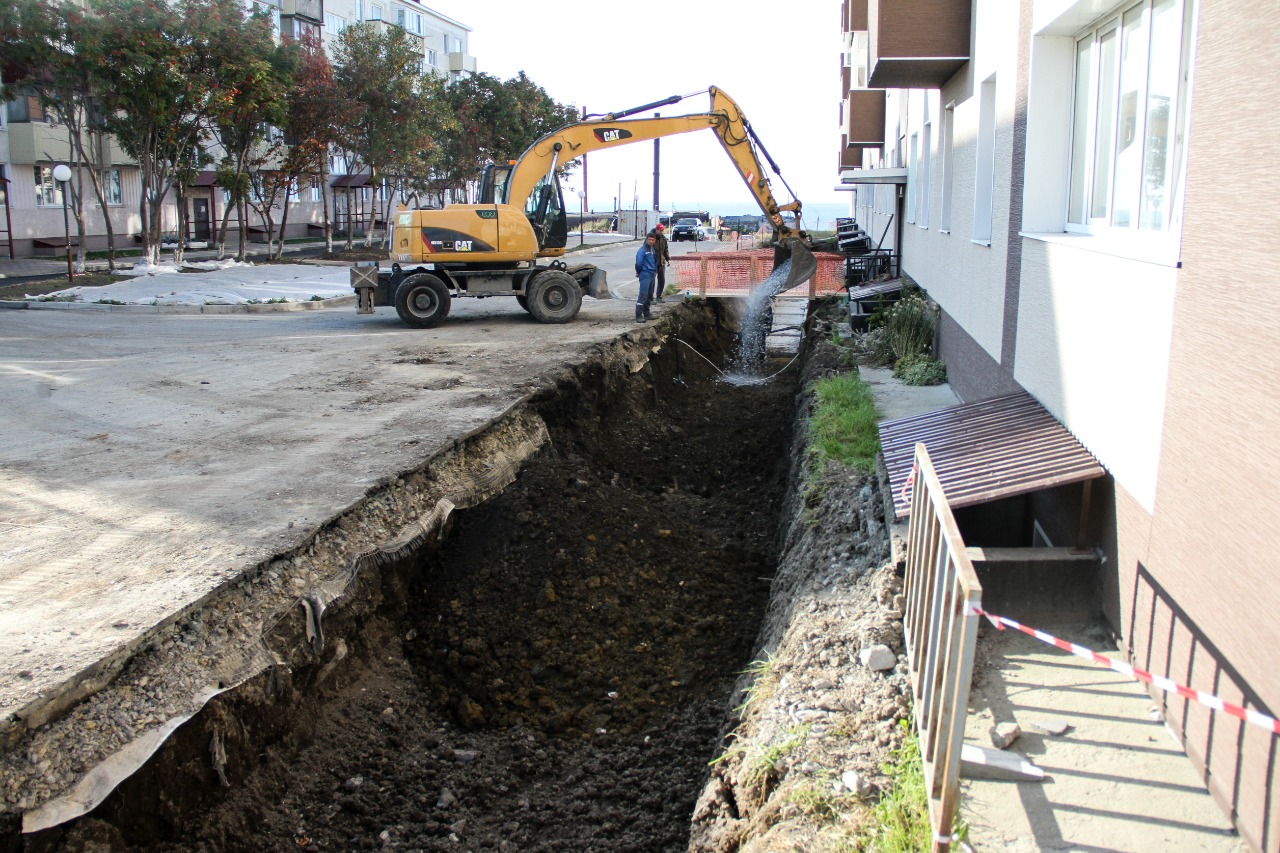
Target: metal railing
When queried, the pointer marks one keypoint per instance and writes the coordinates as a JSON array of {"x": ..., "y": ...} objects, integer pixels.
[{"x": 941, "y": 630}]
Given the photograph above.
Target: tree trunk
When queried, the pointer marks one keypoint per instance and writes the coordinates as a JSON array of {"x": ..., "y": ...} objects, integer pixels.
[
  {"x": 324, "y": 199},
  {"x": 242, "y": 210},
  {"x": 284, "y": 220},
  {"x": 180, "y": 199},
  {"x": 350, "y": 228}
]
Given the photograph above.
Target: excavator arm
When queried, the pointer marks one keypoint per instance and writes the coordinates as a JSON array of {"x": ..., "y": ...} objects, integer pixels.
[{"x": 536, "y": 167}]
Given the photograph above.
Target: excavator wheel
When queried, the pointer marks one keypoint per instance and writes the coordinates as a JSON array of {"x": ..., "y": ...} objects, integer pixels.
[
  {"x": 554, "y": 297},
  {"x": 422, "y": 300},
  {"x": 524, "y": 302}
]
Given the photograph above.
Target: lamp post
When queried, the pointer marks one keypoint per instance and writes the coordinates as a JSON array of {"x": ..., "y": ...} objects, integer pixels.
[
  {"x": 582, "y": 214},
  {"x": 62, "y": 174}
]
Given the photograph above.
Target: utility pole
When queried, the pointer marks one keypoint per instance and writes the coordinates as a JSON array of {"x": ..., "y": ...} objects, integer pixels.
[
  {"x": 656, "y": 163},
  {"x": 585, "y": 204}
]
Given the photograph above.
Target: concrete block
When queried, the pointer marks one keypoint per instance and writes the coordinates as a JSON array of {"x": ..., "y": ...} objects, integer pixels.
[
  {"x": 1003, "y": 735},
  {"x": 878, "y": 658},
  {"x": 977, "y": 762}
]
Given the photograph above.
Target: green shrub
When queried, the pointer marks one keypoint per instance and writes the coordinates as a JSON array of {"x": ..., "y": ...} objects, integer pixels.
[
  {"x": 911, "y": 323},
  {"x": 920, "y": 370}
]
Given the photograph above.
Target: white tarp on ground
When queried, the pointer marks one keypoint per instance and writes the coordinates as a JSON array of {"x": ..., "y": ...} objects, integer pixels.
[{"x": 233, "y": 285}]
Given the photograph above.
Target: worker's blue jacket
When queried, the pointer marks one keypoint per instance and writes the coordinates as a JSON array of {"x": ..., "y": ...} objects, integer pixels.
[{"x": 646, "y": 262}]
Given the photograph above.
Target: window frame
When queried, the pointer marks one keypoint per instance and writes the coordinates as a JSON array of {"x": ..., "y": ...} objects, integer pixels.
[
  {"x": 46, "y": 187},
  {"x": 1175, "y": 161}
]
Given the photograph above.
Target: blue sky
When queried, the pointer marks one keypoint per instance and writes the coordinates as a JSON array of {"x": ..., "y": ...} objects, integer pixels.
[{"x": 782, "y": 69}]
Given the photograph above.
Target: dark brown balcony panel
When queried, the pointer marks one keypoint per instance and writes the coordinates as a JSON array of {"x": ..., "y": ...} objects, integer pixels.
[
  {"x": 850, "y": 157},
  {"x": 864, "y": 117},
  {"x": 855, "y": 16},
  {"x": 917, "y": 44},
  {"x": 846, "y": 79}
]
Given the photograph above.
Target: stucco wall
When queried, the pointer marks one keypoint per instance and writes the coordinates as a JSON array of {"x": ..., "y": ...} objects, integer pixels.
[
  {"x": 966, "y": 278},
  {"x": 1093, "y": 346}
]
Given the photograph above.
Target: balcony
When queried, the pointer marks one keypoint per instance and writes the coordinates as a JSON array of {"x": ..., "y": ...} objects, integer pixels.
[
  {"x": 37, "y": 142},
  {"x": 850, "y": 155},
  {"x": 854, "y": 15},
  {"x": 384, "y": 27},
  {"x": 462, "y": 62},
  {"x": 917, "y": 44},
  {"x": 864, "y": 117},
  {"x": 307, "y": 10}
]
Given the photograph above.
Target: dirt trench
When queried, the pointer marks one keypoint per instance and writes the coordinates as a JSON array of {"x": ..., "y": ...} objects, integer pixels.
[{"x": 552, "y": 675}]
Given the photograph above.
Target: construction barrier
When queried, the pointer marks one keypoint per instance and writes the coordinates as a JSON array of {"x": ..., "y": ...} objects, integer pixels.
[
  {"x": 941, "y": 630},
  {"x": 737, "y": 273},
  {"x": 1255, "y": 718}
]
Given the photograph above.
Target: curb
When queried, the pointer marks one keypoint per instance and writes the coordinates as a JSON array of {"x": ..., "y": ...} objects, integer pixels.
[{"x": 239, "y": 308}]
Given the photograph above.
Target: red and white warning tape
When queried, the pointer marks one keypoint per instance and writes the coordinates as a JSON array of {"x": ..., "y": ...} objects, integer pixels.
[
  {"x": 1255, "y": 718},
  {"x": 906, "y": 487}
]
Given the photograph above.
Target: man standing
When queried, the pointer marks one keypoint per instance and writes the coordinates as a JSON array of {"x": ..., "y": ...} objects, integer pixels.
[
  {"x": 646, "y": 268},
  {"x": 664, "y": 259}
]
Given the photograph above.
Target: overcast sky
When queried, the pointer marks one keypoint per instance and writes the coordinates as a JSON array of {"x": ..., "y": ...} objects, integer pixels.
[{"x": 779, "y": 60}]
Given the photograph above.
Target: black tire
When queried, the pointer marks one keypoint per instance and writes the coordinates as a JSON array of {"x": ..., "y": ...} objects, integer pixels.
[
  {"x": 422, "y": 300},
  {"x": 554, "y": 297},
  {"x": 524, "y": 302}
]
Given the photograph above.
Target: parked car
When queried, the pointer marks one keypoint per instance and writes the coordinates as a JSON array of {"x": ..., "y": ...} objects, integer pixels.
[{"x": 688, "y": 229}]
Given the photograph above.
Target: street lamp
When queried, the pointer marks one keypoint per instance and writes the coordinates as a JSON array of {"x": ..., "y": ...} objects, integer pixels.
[
  {"x": 62, "y": 174},
  {"x": 582, "y": 213}
]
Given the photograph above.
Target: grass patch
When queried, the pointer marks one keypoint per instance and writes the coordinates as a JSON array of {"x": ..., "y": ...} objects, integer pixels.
[
  {"x": 843, "y": 424},
  {"x": 765, "y": 673},
  {"x": 902, "y": 815}
]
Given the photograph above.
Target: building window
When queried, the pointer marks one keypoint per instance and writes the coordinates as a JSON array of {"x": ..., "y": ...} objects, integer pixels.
[
  {"x": 984, "y": 172},
  {"x": 316, "y": 192},
  {"x": 1128, "y": 116},
  {"x": 948, "y": 166},
  {"x": 48, "y": 191},
  {"x": 913, "y": 190},
  {"x": 431, "y": 57},
  {"x": 410, "y": 21},
  {"x": 375, "y": 13},
  {"x": 334, "y": 23},
  {"x": 111, "y": 187},
  {"x": 359, "y": 10},
  {"x": 926, "y": 154}
]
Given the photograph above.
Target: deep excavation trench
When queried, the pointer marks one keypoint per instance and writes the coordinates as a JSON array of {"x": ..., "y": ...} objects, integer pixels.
[{"x": 553, "y": 675}]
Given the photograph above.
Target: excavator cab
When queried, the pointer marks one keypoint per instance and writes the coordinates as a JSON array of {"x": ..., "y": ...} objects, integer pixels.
[
  {"x": 545, "y": 209},
  {"x": 493, "y": 184}
]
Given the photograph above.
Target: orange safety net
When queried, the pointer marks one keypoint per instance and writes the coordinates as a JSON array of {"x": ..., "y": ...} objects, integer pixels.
[{"x": 737, "y": 273}]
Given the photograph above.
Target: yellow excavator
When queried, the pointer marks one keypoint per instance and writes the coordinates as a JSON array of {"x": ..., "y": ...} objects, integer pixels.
[{"x": 492, "y": 248}]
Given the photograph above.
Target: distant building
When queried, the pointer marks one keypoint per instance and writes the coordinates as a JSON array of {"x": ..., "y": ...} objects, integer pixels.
[{"x": 30, "y": 145}]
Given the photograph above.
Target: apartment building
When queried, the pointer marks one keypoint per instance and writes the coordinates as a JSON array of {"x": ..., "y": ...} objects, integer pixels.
[
  {"x": 1084, "y": 188},
  {"x": 31, "y": 219}
]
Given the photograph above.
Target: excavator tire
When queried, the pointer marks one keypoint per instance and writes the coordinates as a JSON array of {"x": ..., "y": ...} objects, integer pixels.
[
  {"x": 422, "y": 300},
  {"x": 524, "y": 302},
  {"x": 554, "y": 297}
]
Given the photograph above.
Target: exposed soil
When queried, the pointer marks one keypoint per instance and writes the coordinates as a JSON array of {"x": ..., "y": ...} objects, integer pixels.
[{"x": 558, "y": 673}]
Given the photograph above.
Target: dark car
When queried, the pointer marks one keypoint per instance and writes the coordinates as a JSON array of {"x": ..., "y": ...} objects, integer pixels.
[{"x": 687, "y": 229}]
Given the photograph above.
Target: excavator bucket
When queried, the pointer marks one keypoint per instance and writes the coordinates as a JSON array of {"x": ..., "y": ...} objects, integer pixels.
[{"x": 803, "y": 263}]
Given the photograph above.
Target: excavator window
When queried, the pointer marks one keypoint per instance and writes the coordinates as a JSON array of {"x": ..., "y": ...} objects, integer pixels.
[
  {"x": 493, "y": 184},
  {"x": 545, "y": 209}
]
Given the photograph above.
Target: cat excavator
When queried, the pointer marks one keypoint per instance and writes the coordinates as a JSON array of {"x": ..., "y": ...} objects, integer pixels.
[{"x": 494, "y": 247}]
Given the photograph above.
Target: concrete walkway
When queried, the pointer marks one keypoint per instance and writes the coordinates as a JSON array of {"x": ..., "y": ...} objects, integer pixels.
[{"x": 1115, "y": 780}]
